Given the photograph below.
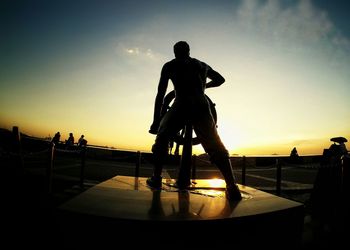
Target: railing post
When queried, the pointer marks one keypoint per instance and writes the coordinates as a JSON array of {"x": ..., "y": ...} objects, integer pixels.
[
  {"x": 278, "y": 176},
  {"x": 194, "y": 166},
  {"x": 17, "y": 150},
  {"x": 82, "y": 167},
  {"x": 49, "y": 168},
  {"x": 138, "y": 163},
  {"x": 346, "y": 175},
  {"x": 244, "y": 166}
]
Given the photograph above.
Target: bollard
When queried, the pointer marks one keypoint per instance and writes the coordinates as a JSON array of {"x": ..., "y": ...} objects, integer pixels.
[
  {"x": 138, "y": 163},
  {"x": 49, "y": 168},
  {"x": 82, "y": 167},
  {"x": 278, "y": 176},
  {"x": 244, "y": 166}
]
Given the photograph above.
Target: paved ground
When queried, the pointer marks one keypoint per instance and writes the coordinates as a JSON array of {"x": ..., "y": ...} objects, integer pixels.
[{"x": 31, "y": 207}]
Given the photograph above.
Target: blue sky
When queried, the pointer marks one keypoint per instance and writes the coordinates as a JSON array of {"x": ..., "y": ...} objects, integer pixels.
[{"x": 92, "y": 67}]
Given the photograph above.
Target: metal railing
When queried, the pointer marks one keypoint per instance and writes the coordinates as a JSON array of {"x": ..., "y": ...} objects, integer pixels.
[{"x": 277, "y": 162}]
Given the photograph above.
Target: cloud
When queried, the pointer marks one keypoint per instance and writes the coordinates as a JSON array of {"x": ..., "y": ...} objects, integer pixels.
[
  {"x": 340, "y": 40},
  {"x": 138, "y": 52},
  {"x": 135, "y": 51},
  {"x": 303, "y": 142},
  {"x": 300, "y": 23}
]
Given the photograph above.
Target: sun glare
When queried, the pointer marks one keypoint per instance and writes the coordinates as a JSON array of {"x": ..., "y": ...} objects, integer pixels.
[
  {"x": 230, "y": 137},
  {"x": 216, "y": 183}
]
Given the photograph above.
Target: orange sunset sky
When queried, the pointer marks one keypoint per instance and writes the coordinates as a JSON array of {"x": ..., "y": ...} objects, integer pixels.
[{"x": 92, "y": 68}]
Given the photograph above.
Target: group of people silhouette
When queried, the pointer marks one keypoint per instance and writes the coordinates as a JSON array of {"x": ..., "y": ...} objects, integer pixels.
[{"x": 70, "y": 142}]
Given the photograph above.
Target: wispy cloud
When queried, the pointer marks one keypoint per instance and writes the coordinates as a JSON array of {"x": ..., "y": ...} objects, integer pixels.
[
  {"x": 300, "y": 22},
  {"x": 136, "y": 52}
]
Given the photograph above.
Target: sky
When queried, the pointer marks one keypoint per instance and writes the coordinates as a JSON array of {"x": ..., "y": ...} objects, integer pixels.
[{"x": 92, "y": 68}]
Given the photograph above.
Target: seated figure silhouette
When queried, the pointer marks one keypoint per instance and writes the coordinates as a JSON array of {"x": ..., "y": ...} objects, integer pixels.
[
  {"x": 294, "y": 156},
  {"x": 70, "y": 141},
  {"x": 189, "y": 78},
  {"x": 82, "y": 142},
  {"x": 56, "y": 138}
]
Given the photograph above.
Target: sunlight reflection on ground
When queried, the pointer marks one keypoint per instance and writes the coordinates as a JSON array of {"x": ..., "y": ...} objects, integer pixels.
[{"x": 218, "y": 193}]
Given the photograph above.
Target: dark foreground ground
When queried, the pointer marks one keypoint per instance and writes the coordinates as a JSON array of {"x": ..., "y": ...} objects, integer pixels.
[{"x": 29, "y": 205}]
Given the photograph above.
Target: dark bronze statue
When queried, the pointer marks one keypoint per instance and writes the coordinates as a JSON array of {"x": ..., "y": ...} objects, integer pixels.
[{"x": 189, "y": 77}]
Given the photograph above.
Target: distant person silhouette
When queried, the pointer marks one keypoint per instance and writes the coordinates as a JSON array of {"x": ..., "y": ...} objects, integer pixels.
[
  {"x": 294, "y": 156},
  {"x": 82, "y": 142},
  {"x": 189, "y": 78},
  {"x": 70, "y": 141},
  {"x": 294, "y": 152},
  {"x": 56, "y": 138}
]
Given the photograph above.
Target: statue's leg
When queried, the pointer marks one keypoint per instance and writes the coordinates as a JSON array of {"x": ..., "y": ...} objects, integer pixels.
[
  {"x": 169, "y": 126},
  {"x": 223, "y": 162},
  {"x": 207, "y": 133},
  {"x": 160, "y": 152},
  {"x": 184, "y": 173}
]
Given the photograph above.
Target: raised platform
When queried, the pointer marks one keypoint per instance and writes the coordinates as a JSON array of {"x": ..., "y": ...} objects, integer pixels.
[{"x": 124, "y": 210}]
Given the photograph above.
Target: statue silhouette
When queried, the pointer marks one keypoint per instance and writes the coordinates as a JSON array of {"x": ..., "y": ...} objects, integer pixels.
[{"x": 189, "y": 78}]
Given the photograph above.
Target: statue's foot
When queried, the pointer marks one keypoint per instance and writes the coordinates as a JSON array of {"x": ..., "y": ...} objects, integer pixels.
[
  {"x": 233, "y": 193},
  {"x": 154, "y": 182},
  {"x": 182, "y": 185}
]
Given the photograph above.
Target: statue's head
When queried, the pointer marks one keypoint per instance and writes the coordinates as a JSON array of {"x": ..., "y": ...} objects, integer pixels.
[{"x": 181, "y": 49}]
